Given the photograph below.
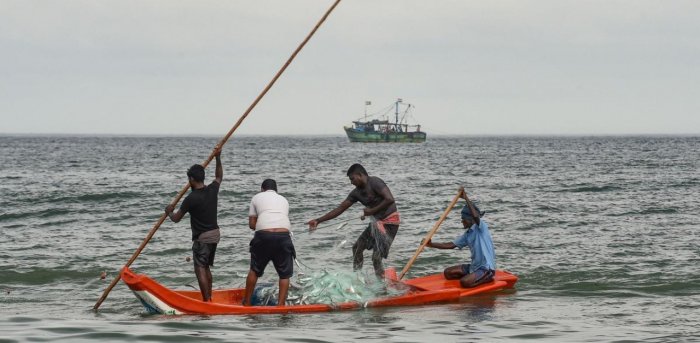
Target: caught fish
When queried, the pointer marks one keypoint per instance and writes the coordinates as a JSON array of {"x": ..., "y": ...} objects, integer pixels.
[{"x": 336, "y": 287}]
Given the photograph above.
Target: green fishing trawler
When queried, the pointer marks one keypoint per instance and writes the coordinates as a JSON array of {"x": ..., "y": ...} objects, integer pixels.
[{"x": 382, "y": 130}]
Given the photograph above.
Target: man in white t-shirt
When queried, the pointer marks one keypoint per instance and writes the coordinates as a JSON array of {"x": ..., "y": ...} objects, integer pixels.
[{"x": 269, "y": 218}]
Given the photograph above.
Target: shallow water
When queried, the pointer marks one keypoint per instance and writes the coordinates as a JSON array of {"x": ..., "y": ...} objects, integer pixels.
[{"x": 602, "y": 232}]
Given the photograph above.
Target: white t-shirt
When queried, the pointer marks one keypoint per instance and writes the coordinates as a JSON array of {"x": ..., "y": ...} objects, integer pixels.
[{"x": 271, "y": 209}]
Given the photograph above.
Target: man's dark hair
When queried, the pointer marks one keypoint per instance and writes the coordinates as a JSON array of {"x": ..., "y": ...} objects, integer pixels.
[
  {"x": 357, "y": 169},
  {"x": 269, "y": 184},
  {"x": 196, "y": 172}
]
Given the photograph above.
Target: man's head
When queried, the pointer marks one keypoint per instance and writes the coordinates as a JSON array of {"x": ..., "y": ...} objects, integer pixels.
[
  {"x": 269, "y": 184},
  {"x": 358, "y": 175},
  {"x": 467, "y": 218},
  {"x": 196, "y": 173}
]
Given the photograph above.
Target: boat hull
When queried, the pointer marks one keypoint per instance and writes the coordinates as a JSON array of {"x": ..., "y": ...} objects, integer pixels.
[
  {"x": 384, "y": 137},
  {"x": 431, "y": 289}
]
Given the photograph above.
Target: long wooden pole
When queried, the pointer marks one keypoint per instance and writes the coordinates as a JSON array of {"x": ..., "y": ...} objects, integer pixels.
[
  {"x": 431, "y": 233},
  {"x": 211, "y": 155}
]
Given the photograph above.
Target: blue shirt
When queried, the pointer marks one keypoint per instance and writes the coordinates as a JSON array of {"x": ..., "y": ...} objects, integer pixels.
[{"x": 478, "y": 239}]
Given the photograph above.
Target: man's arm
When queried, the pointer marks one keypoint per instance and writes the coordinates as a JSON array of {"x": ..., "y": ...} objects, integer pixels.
[
  {"x": 174, "y": 216},
  {"x": 330, "y": 215},
  {"x": 385, "y": 193},
  {"x": 251, "y": 222},
  {"x": 448, "y": 245},
  {"x": 219, "y": 173}
]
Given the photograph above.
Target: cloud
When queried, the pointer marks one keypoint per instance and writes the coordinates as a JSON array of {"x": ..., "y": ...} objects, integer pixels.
[{"x": 512, "y": 67}]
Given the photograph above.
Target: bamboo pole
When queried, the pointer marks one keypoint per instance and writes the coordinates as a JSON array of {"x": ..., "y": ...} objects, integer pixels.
[
  {"x": 212, "y": 154},
  {"x": 431, "y": 233}
]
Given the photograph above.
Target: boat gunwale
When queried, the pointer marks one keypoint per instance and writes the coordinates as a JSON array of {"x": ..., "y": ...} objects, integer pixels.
[{"x": 417, "y": 296}]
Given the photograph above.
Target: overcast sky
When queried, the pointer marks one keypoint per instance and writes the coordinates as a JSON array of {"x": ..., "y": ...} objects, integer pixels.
[{"x": 469, "y": 67}]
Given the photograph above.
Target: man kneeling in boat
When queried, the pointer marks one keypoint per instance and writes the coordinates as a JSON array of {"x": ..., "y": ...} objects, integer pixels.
[
  {"x": 478, "y": 238},
  {"x": 269, "y": 218},
  {"x": 201, "y": 203}
]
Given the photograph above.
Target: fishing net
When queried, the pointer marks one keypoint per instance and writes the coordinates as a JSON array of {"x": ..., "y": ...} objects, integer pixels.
[
  {"x": 334, "y": 287},
  {"x": 382, "y": 237},
  {"x": 377, "y": 238},
  {"x": 329, "y": 287}
]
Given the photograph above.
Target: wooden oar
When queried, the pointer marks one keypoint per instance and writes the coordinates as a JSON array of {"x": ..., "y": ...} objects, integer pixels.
[
  {"x": 431, "y": 233},
  {"x": 211, "y": 156}
]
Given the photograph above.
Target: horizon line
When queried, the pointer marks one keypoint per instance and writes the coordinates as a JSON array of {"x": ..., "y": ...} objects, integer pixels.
[{"x": 155, "y": 135}]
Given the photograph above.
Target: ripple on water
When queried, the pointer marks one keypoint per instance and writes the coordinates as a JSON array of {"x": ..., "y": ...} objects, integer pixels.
[{"x": 600, "y": 230}]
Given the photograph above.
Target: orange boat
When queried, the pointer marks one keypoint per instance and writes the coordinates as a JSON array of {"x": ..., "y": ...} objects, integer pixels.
[{"x": 429, "y": 289}]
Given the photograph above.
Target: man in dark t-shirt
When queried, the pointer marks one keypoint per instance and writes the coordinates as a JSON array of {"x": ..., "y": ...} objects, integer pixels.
[
  {"x": 374, "y": 194},
  {"x": 201, "y": 203}
]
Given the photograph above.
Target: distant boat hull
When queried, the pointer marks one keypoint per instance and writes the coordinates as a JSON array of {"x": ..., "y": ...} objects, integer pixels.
[{"x": 384, "y": 137}]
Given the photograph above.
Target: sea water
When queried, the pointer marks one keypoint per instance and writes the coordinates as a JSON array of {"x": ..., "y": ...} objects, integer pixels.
[{"x": 602, "y": 231}]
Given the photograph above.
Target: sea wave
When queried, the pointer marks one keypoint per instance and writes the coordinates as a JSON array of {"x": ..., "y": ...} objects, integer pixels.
[
  {"x": 590, "y": 189},
  {"x": 42, "y": 276}
]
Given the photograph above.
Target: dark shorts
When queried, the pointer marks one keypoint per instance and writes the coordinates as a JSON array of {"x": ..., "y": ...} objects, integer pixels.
[
  {"x": 383, "y": 244},
  {"x": 272, "y": 246},
  {"x": 203, "y": 254},
  {"x": 483, "y": 275}
]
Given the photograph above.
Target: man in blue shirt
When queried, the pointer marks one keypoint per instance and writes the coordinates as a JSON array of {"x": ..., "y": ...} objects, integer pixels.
[{"x": 478, "y": 238}]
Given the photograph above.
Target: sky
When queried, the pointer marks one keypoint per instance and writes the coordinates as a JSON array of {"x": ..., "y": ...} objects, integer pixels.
[{"x": 510, "y": 67}]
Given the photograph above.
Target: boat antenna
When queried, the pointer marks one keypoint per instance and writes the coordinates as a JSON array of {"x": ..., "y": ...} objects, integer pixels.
[
  {"x": 367, "y": 103},
  {"x": 405, "y": 113},
  {"x": 396, "y": 124}
]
